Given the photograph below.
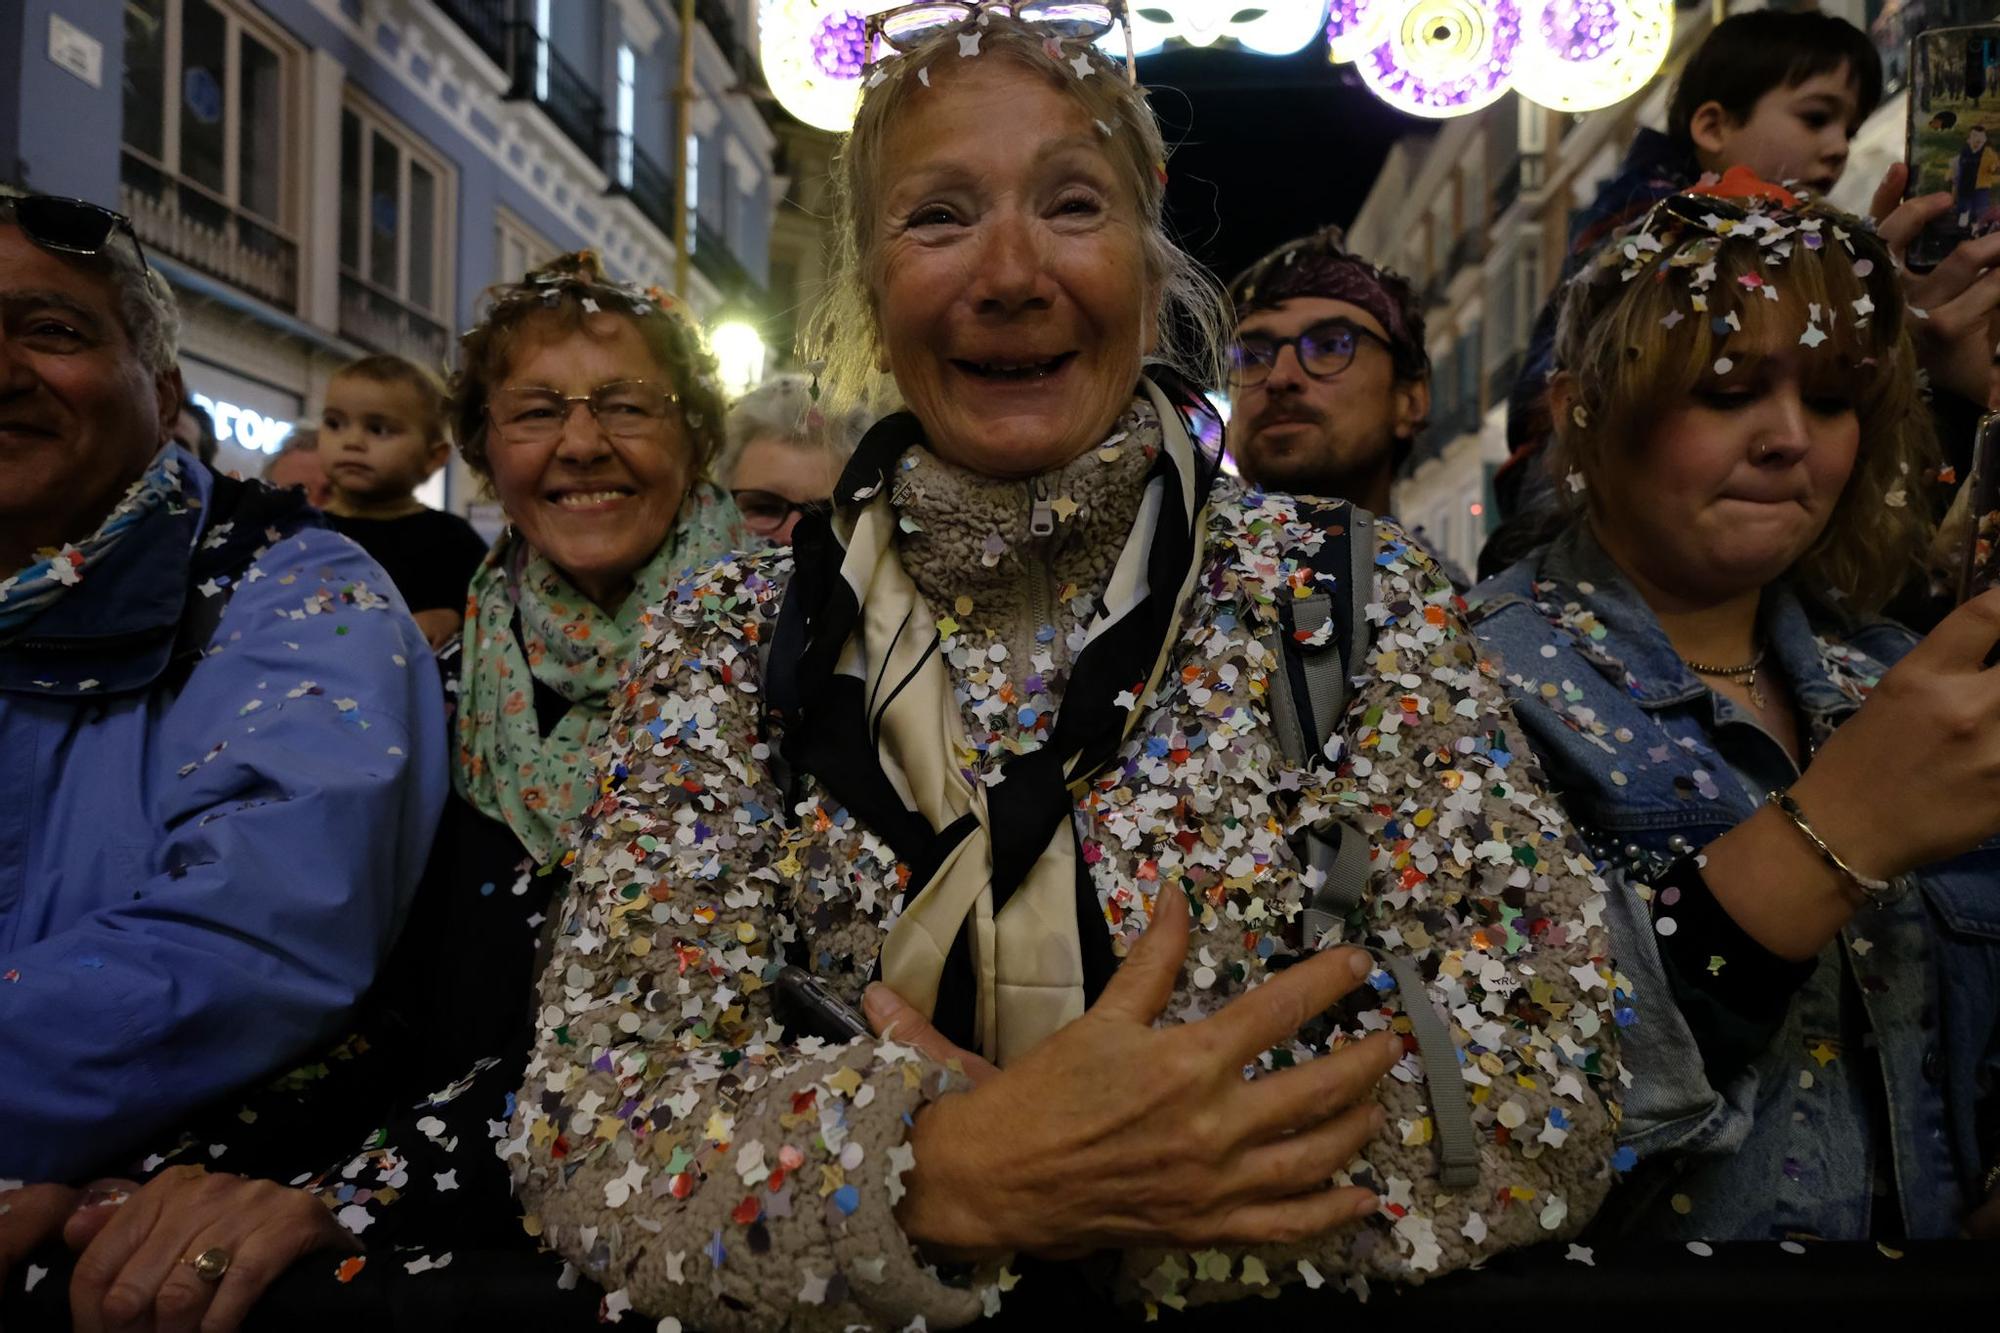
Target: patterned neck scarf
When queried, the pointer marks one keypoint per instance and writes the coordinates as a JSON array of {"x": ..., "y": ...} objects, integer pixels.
[
  {"x": 35, "y": 589},
  {"x": 525, "y": 622},
  {"x": 999, "y": 934}
]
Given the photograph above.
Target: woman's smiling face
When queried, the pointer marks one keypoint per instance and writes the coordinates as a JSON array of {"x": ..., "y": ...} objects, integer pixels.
[{"x": 1012, "y": 302}]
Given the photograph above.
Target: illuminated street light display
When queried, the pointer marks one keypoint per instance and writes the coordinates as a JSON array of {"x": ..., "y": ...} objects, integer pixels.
[
  {"x": 1434, "y": 58},
  {"x": 1442, "y": 58},
  {"x": 1579, "y": 55},
  {"x": 1275, "y": 28}
]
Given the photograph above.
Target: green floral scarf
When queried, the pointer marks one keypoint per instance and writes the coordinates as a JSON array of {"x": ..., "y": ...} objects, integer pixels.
[{"x": 541, "y": 785}]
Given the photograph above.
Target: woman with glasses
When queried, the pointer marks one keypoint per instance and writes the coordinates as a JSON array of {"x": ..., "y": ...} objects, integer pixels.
[
  {"x": 1794, "y": 800},
  {"x": 592, "y": 411},
  {"x": 1000, "y": 737},
  {"x": 783, "y": 453}
]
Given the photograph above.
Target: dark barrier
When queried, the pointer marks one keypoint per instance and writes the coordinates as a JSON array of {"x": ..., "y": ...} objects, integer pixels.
[{"x": 488, "y": 1291}]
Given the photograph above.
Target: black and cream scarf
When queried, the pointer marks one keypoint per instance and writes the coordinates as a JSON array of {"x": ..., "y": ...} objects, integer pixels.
[{"x": 998, "y": 932}]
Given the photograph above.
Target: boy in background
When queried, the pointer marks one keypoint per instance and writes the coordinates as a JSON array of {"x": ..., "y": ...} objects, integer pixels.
[
  {"x": 1781, "y": 93},
  {"x": 381, "y": 436}
]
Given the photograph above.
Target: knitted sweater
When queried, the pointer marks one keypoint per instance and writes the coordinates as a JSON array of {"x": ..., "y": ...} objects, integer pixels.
[{"x": 674, "y": 1141}]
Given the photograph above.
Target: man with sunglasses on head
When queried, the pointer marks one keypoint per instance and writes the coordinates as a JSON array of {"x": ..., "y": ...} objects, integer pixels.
[
  {"x": 1329, "y": 382},
  {"x": 223, "y": 737}
]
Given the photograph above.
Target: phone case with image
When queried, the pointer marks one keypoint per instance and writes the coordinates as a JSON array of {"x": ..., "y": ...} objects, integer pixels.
[
  {"x": 1980, "y": 568},
  {"x": 1953, "y": 143}
]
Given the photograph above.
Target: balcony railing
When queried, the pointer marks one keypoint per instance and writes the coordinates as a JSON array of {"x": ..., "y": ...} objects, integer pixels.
[
  {"x": 714, "y": 15},
  {"x": 484, "y": 21},
  {"x": 382, "y": 323},
  {"x": 720, "y": 265},
  {"x": 1523, "y": 173},
  {"x": 176, "y": 217},
  {"x": 542, "y": 76},
  {"x": 640, "y": 179}
]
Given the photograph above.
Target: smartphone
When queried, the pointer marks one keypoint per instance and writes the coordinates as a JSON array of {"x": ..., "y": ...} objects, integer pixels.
[
  {"x": 1980, "y": 568},
  {"x": 808, "y": 1007},
  {"x": 1953, "y": 138}
]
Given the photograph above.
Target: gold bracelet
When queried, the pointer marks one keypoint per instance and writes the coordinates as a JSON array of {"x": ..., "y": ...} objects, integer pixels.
[{"x": 1878, "y": 892}]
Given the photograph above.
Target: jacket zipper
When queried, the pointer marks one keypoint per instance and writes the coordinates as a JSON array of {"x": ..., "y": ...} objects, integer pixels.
[{"x": 1041, "y": 528}]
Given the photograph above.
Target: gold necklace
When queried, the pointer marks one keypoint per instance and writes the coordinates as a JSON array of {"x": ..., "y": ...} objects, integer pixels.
[{"x": 1745, "y": 674}]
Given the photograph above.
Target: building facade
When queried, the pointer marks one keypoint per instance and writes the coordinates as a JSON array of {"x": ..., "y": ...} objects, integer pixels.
[
  {"x": 320, "y": 179},
  {"x": 1477, "y": 216}
]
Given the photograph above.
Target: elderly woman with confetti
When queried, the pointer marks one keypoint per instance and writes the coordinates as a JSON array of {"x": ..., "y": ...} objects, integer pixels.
[
  {"x": 1793, "y": 828},
  {"x": 1004, "y": 736}
]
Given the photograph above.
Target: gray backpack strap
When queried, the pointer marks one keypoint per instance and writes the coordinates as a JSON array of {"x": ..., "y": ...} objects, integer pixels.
[{"x": 1451, "y": 1108}]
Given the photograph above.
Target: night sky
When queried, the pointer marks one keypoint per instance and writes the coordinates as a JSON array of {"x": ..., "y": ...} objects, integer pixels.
[{"x": 1266, "y": 148}]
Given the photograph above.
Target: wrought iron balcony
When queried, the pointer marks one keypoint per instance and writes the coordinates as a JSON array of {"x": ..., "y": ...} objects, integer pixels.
[
  {"x": 176, "y": 217},
  {"x": 719, "y": 264},
  {"x": 639, "y": 178},
  {"x": 381, "y": 322},
  {"x": 543, "y": 77},
  {"x": 714, "y": 15},
  {"x": 484, "y": 21}
]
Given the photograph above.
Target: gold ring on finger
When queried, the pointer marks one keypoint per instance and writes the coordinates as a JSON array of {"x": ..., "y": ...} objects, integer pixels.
[{"x": 210, "y": 1264}]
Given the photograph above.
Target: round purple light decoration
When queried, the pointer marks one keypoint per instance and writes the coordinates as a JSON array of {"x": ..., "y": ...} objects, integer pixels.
[
  {"x": 1442, "y": 58},
  {"x": 839, "y": 47},
  {"x": 1579, "y": 30}
]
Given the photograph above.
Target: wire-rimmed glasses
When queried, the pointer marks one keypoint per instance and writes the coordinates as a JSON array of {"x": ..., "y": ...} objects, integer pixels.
[{"x": 623, "y": 410}]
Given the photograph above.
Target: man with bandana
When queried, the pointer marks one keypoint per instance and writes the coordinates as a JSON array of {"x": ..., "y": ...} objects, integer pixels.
[{"x": 1329, "y": 381}]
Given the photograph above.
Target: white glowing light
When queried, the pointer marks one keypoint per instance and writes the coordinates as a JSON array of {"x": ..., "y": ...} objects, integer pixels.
[
  {"x": 739, "y": 356},
  {"x": 812, "y": 52},
  {"x": 1579, "y": 55},
  {"x": 1441, "y": 58},
  {"x": 1274, "y": 28}
]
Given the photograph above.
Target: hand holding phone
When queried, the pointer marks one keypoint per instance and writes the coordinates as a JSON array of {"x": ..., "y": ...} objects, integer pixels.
[{"x": 1980, "y": 568}]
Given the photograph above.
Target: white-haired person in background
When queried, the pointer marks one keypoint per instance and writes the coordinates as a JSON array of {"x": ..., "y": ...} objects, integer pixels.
[{"x": 784, "y": 453}]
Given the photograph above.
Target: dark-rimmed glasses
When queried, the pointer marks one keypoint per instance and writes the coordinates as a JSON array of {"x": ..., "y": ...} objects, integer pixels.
[
  {"x": 1324, "y": 350},
  {"x": 765, "y": 512},
  {"x": 70, "y": 226},
  {"x": 623, "y": 410},
  {"x": 907, "y": 27}
]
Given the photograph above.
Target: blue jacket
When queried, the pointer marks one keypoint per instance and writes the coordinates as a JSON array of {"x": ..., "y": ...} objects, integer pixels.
[
  {"x": 203, "y": 859},
  {"x": 1874, "y": 1067}
]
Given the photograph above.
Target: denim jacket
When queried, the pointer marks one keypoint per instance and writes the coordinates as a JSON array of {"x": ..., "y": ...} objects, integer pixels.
[{"x": 1902, "y": 1011}]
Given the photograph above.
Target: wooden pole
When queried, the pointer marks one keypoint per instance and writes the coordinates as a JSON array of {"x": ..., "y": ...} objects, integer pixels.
[{"x": 684, "y": 126}]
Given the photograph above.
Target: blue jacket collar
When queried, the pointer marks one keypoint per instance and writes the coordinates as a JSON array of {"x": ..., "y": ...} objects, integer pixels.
[
  {"x": 1635, "y": 652},
  {"x": 116, "y": 630}
]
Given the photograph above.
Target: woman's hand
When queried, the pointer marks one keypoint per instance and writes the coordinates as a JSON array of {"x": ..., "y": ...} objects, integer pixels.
[
  {"x": 1914, "y": 776},
  {"x": 1959, "y": 297},
  {"x": 1114, "y": 1132},
  {"x": 135, "y": 1271}
]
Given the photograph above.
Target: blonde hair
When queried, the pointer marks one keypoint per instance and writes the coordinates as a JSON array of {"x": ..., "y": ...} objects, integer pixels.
[
  {"x": 1626, "y": 355},
  {"x": 1193, "y": 322},
  {"x": 557, "y": 299}
]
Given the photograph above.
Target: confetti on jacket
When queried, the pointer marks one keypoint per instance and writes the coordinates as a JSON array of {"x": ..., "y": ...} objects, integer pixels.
[{"x": 672, "y": 1140}]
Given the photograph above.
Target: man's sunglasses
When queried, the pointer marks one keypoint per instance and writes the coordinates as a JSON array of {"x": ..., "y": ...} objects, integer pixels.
[
  {"x": 70, "y": 226},
  {"x": 1324, "y": 350}
]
